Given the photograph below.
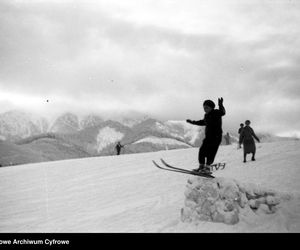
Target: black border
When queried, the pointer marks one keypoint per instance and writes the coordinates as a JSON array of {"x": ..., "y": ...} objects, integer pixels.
[{"x": 182, "y": 241}]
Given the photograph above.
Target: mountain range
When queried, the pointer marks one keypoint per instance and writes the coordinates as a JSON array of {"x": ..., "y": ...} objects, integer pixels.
[{"x": 28, "y": 138}]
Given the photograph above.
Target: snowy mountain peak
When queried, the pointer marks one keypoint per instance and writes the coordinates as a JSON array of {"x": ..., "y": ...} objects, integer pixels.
[
  {"x": 131, "y": 120},
  {"x": 90, "y": 121},
  {"x": 189, "y": 132},
  {"x": 66, "y": 123},
  {"x": 146, "y": 123},
  {"x": 17, "y": 124}
]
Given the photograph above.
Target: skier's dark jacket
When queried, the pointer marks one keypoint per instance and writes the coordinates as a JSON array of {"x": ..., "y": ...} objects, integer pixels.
[
  {"x": 213, "y": 123},
  {"x": 119, "y": 146}
]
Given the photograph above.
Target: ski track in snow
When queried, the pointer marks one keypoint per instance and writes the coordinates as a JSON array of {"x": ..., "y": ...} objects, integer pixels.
[{"x": 127, "y": 193}]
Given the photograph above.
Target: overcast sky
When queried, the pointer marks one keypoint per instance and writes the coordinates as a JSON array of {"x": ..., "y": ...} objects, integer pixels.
[{"x": 160, "y": 57}]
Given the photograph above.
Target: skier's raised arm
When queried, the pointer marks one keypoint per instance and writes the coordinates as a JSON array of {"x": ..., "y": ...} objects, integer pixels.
[
  {"x": 199, "y": 123},
  {"x": 221, "y": 107}
]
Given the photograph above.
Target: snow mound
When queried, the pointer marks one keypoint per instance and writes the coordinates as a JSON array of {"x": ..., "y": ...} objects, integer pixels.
[{"x": 226, "y": 200}]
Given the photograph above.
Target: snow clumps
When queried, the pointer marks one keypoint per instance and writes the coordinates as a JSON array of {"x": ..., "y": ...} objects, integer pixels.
[{"x": 224, "y": 200}]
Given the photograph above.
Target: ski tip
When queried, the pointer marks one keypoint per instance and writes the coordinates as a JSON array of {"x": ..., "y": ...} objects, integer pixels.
[
  {"x": 163, "y": 161},
  {"x": 154, "y": 162}
]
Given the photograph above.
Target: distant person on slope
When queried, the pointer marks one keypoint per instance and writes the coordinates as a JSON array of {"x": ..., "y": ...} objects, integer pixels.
[
  {"x": 118, "y": 147},
  {"x": 240, "y": 131},
  {"x": 241, "y": 128},
  {"x": 227, "y": 139},
  {"x": 213, "y": 133},
  {"x": 246, "y": 137}
]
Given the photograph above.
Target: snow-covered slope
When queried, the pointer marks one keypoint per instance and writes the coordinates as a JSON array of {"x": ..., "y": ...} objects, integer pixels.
[
  {"x": 127, "y": 193},
  {"x": 43, "y": 147}
]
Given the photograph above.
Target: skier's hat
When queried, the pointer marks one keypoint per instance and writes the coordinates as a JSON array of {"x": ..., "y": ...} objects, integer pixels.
[{"x": 209, "y": 103}]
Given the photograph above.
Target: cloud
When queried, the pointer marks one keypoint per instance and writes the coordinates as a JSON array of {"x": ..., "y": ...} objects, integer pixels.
[{"x": 165, "y": 58}]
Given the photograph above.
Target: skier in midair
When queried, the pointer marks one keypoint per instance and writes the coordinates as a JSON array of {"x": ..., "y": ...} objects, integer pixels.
[{"x": 213, "y": 133}]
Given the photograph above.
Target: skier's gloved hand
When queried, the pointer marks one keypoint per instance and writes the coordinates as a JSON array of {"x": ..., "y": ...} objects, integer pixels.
[
  {"x": 220, "y": 101},
  {"x": 188, "y": 121}
]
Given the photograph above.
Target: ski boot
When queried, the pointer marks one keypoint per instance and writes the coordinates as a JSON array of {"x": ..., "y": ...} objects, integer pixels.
[
  {"x": 205, "y": 170},
  {"x": 201, "y": 167}
]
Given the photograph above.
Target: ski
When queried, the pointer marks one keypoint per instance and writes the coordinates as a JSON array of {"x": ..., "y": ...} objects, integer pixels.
[
  {"x": 170, "y": 166},
  {"x": 173, "y": 170},
  {"x": 181, "y": 170},
  {"x": 184, "y": 171}
]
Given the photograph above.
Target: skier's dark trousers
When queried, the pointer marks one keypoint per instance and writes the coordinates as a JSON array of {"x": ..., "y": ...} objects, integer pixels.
[{"x": 213, "y": 132}]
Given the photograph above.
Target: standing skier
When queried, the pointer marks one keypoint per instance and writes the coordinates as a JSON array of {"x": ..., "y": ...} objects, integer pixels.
[
  {"x": 213, "y": 133},
  {"x": 246, "y": 137},
  {"x": 118, "y": 148}
]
